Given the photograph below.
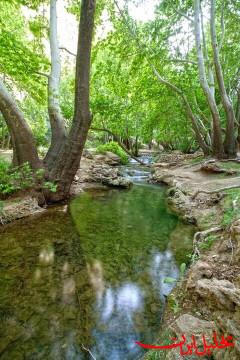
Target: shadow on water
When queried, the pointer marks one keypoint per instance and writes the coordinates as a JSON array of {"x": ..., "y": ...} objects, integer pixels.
[{"x": 93, "y": 276}]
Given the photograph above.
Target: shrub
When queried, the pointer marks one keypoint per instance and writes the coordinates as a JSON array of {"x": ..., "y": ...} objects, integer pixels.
[
  {"x": 114, "y": 148},
  {"x": 21, "y": 178}
]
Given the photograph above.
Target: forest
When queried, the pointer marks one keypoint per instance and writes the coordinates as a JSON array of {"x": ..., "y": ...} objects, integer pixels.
[{"x": 119, "y": 179}]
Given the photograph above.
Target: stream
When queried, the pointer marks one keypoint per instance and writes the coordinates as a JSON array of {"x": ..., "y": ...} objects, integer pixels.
[{"x": 86, "y": 280}]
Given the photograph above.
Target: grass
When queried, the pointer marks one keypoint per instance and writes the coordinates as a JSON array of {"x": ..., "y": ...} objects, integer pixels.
[
  {"x": 207, "y": 243},
  {"x": 229, "y": 165},
  {"x": 231, "y": 207}
]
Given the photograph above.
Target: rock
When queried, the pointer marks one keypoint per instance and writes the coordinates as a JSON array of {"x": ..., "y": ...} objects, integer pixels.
[
  {"x": 162, "y": 165},
  {"x": 235, "y": 230},
  {"x": 189, "y": 325},
  {"x": 214, "y": 168},
  {"x": 220, "y": 294},
  {"x": 108, "y": 158},
  {"x": 198, "y": 271},
  {"x": 112, "y": 159},
  {"x": 119, "y": 182},
  {"x": 99, "y": 158},
  {"x": 19, "y": 208},
  {"x": 87, "y": 154}
]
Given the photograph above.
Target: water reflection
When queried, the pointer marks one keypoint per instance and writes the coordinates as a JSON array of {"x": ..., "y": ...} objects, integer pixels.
[
  {"x": 163, "y": 265},
  {"x": 96, "y": 284}
]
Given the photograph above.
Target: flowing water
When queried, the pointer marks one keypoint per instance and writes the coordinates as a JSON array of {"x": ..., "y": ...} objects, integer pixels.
[{"x": 90, "y": 277}]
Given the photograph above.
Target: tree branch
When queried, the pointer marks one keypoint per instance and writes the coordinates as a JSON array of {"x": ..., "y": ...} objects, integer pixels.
[
  {"x": 183, "y": 61},
  {"x": 42, "y": 74},
  {"x": 179, "y": 12},
  {"x": 68, "y": 51}
]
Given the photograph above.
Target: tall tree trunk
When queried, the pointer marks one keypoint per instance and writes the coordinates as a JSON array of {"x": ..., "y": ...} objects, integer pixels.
[
  {"x": 230, "y": 142},
  {"x": 69, "y": 158},
  {"x": 136, "y": 149},
  {"x": 218, "y": 149},
  {"x": 198, "y": 135},
  {"x": 237, "y": 115},
  {"x": 24, "y": 146},
  {"x": 58, "y": 132}
]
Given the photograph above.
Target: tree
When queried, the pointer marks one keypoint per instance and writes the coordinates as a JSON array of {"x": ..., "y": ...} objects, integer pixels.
[
  {"x": 155, "y": 42},
  {"x": 66, "y": 164},
  {"x": 58, "y": 131}
]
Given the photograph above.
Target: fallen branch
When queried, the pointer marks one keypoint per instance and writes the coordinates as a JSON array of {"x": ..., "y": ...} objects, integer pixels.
[
  {"x": 120, "y": 144},
  {"x": 215, "y": 191}
]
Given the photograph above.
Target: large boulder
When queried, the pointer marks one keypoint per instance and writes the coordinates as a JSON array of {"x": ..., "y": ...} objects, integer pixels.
[
  {"x": 107, "y": 175},
  {"x": 189, "y": 325},
  {"x": 19, "y": 208},
  {"x": 112, "y": 159},
  {"x": 219, "y": 294},
  {"x": 108, "y": 158}
]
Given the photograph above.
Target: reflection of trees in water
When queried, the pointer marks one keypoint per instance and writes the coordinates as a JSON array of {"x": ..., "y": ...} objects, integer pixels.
[
  {"x": 51, "y": 313},
  {"x": 118, "y": 233},
  {"x": 103, "y": 288},
  {"x": 132, "y": 310}
]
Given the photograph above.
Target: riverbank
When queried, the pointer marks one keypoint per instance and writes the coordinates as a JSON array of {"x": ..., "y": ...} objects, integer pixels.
[
  {"x": 96, "y": 171},
  {"x": 208, "y": 299}
]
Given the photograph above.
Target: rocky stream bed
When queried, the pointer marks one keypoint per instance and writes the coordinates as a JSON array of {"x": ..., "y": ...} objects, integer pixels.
[{"x": 208, "y": 298}]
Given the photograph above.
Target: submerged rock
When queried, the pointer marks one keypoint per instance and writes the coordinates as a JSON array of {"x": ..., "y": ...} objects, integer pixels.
[{"x": 19, "y": 208}]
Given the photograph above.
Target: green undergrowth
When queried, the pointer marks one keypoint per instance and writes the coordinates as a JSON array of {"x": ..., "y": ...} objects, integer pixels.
[
  {"x": 231, "y": 207},
  {"x": 114, "y": 148},
  {"x": 208, "y": 242},
  {"x": 13, "y": 179}
]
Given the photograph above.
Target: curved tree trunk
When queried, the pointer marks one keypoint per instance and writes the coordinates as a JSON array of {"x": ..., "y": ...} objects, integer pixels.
[
  {"x": 69, "y": 158},
  {"x": 217, "y": 143},
  {"x": 24, "y": 146},
  {"x": 230, "y": 142},
  {"x": 56, "y": 120},
  {"x": 198, "y": 135}
]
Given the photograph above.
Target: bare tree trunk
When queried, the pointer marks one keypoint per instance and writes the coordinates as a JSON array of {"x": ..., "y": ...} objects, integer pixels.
[
  {"x": 58, "y": 135},
  {"x": 69, "y": 158},
  {"x": 230, "y": 142},
  {"x": 218, "y": 149},
  {"x": 211, "y": 81},
  {"x": 24, "y": 145}
]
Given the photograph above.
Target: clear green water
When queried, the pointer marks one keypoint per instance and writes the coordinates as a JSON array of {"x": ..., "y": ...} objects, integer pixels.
[{"x": 91, "y": 275}]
